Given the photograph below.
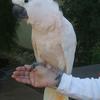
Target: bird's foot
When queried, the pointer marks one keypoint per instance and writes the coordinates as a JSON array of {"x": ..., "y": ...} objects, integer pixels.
[{"x": 35, "y": 64}]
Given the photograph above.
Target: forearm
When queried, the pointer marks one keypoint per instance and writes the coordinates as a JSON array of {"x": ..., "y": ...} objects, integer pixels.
[{"x": 82, "y": 89}]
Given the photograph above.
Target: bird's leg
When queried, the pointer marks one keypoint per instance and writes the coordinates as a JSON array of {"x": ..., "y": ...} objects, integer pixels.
[{"x": 35, "y": 64}]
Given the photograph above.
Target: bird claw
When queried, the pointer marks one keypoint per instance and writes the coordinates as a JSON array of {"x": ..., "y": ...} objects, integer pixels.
[{"x": 35, "y": 64}]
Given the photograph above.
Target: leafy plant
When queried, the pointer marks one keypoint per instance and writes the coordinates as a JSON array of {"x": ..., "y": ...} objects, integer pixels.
[
  {"x": 8, "y": 25},
  {"x": 96, "y": 54},
  {"x": 85, "y": 17}
]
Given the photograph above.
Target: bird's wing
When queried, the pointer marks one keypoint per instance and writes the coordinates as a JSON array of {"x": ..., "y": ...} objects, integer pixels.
[
  {"x": 34, "y": 45},
  {"x": 68, "y": 43}
]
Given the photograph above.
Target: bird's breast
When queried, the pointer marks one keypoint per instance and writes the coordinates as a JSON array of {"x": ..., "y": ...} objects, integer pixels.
[{"x": 50, "y": 51}]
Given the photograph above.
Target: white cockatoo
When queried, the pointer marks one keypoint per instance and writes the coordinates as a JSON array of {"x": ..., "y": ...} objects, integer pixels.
[{"x": 53, "y": 37}]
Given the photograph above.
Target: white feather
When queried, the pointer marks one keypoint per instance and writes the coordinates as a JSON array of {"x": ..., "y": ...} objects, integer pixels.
[
  {"x": 19, "y": 2},
  {"x": 43, "y": 14},
  {"x": 69, "y": 45}
]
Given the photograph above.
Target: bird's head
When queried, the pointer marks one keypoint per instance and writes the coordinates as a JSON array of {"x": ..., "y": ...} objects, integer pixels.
[{"x": 42, "y": 15}]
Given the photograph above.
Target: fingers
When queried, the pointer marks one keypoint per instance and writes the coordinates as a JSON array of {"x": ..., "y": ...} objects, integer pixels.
[
  {"x": 21, "y": 76},
  {"x": 23, "y": 80},
  {"x": 21, "y": 73},
  {"x": 23, "y": 68}
]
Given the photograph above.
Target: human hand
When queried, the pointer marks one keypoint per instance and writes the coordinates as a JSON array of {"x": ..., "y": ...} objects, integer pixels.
[
  {"x": 22, "y": 74},
  {"x": 41, "y": 76}
]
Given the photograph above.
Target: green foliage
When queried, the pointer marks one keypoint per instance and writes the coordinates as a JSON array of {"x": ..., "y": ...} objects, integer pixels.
[
  {"x": 85, "y": 17},
  {"x": 60, "y": 2},
  {"x": 96, "y": 54},
  {"x": 7, "y": 25},
  {"x": 17, "y": 56}
]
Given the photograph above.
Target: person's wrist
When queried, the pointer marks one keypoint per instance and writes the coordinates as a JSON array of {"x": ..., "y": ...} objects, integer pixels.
[{"x": 58, "y": 77}]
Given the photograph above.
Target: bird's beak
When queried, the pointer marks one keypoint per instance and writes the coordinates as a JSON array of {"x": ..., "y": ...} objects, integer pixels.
[{"x": 19, "y": 12}]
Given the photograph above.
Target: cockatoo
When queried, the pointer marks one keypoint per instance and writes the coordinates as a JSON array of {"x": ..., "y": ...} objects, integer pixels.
[{"x": 53, "y": 36}]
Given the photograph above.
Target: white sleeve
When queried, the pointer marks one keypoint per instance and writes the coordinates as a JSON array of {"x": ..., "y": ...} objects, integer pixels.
[{"x": 80, "y": 89}]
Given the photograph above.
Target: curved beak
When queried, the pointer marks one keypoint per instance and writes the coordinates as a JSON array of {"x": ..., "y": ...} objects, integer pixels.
[{"x": 19, "y": 12}]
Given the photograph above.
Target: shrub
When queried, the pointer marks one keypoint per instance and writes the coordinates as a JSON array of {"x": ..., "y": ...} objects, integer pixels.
[
  {"x": 7, "y": 25},
  {"x": 85, "y": 17}
]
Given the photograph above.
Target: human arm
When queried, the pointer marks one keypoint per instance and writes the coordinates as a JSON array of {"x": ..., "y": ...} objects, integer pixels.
[{"x": 80, "y": 89}]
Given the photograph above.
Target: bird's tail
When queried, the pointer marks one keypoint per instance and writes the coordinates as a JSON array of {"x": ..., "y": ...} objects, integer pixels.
[{"x": 52, "y": 94}]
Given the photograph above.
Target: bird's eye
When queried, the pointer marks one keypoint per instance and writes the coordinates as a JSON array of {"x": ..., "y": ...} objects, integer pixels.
[{"x": 26, "y": 1}]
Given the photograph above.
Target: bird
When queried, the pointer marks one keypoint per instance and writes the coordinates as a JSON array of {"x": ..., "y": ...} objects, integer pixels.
[{"x": 53, "y": 38}]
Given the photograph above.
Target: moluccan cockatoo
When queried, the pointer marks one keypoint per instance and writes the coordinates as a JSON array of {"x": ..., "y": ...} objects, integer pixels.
[{"x": 53, "y": 36}]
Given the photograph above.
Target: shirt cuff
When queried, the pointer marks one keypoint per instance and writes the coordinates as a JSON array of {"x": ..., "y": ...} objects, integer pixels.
[{"x": 65, "y": 83}]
